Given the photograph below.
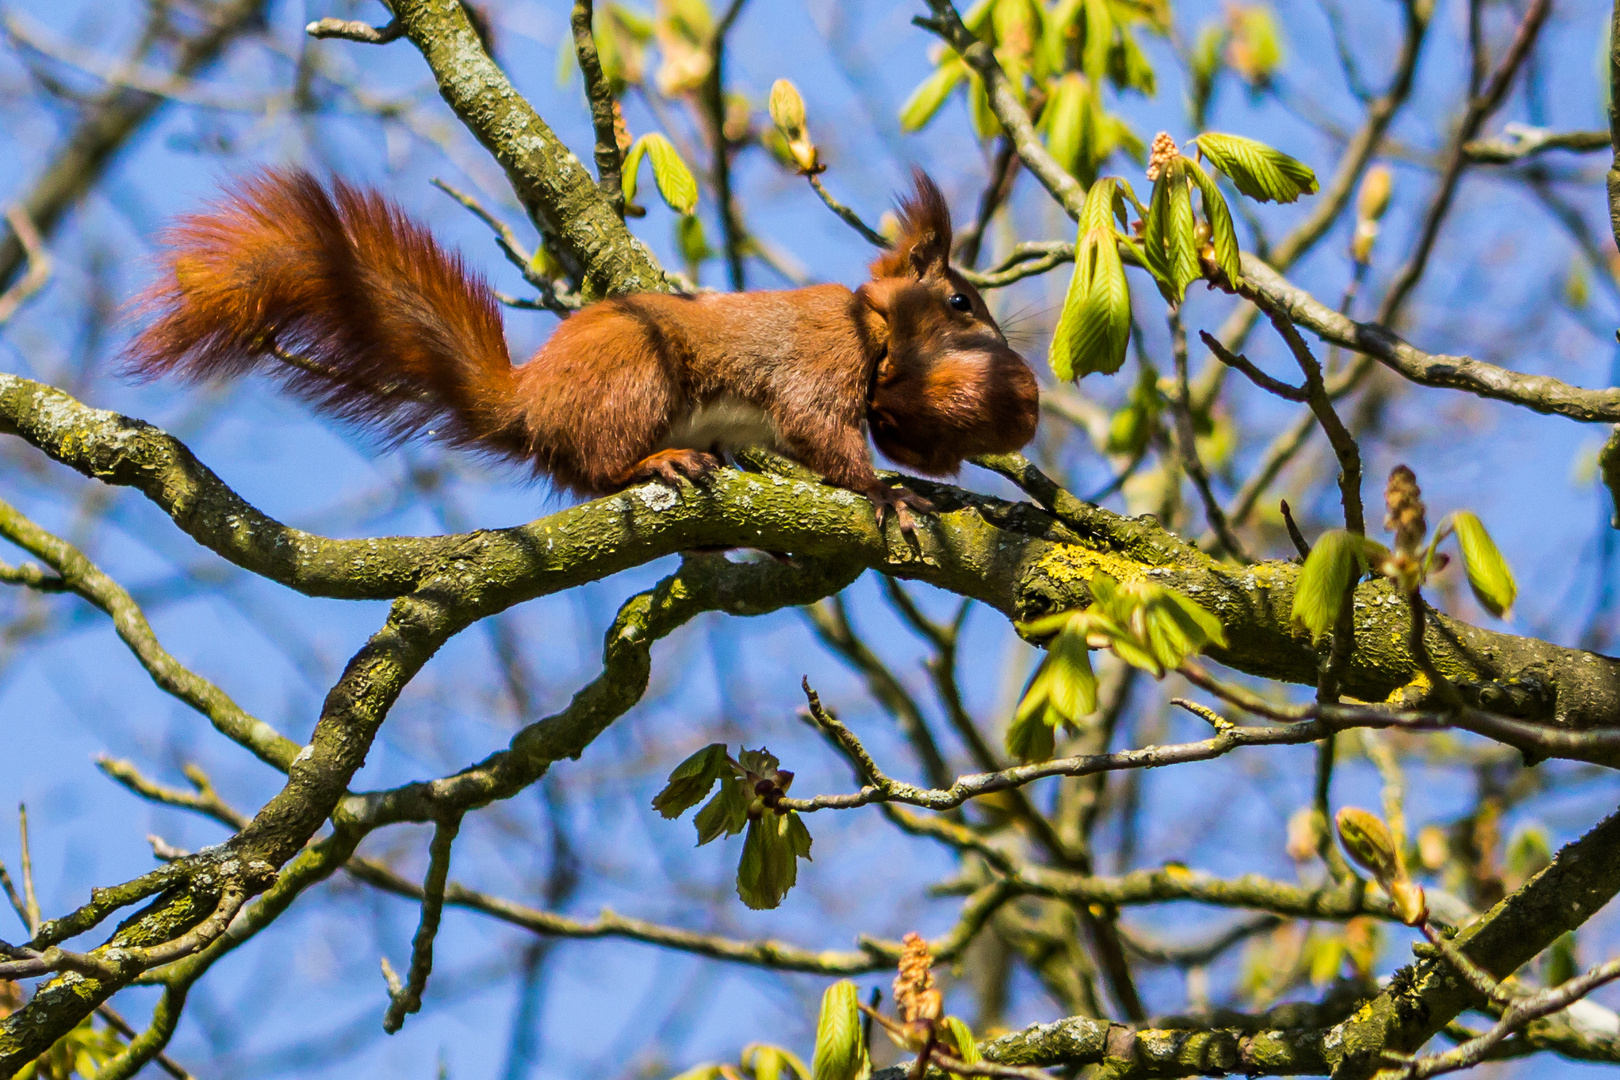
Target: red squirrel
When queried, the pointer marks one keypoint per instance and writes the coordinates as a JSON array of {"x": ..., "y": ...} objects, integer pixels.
[{"x": 361, "y": 312}]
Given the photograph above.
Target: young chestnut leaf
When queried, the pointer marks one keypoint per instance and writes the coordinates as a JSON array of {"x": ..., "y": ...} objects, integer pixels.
[
  {"x": 769, "y": 1062},
  {"x": 726, "y": 814},
  {"x": 932, "y": 93},
  {"x": 1067, "y": 120},
  {"x": 709, "y": 1071},
  {"x": 691, "y": 780},
  {"x": 1169, "y": 239},
  {"x": 1488, "y": 573},
  {"x": 675, "y": 181},
  {"x": 1095, "y": 324},
  {"x": 1319, "y": 590},
  {"x": 689, "y": 238},
  {"x": 770, "y": 859},
  {"x": 956, "y": 1038},
  {"x": 840, "y": 1048},
  {"x": 1062, "y": 690},
  {"x": 1259, "y": 171},
  {"x": 1222, "y": 236}
]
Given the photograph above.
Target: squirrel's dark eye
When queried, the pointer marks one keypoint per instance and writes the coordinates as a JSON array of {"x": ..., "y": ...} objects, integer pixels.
[{"x": 960, "y": 302}]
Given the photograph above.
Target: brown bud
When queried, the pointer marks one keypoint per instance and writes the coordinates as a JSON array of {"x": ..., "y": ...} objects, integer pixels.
[
  {"x": 1406, "y": 517},
  {"x": 914, "y": 994}
]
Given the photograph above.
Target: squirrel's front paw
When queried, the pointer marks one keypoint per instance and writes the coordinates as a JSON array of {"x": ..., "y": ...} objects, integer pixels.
[{"x": 900, "y": 502}]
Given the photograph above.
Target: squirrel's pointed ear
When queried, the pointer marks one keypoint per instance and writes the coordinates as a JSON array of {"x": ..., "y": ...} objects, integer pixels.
[{"x": 924, "y": 243}]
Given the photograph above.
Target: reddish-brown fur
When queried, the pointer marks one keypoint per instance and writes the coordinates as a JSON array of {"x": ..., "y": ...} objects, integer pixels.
[{"x": 361, "y": 312}]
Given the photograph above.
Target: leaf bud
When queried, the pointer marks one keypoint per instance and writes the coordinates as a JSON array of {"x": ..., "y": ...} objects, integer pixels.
[
  {"x": 1368, "y": 841},
  {"x": 1407, "y": 899},
  {"x": 1372, "y": 198},
  {"x": 787, "y": 109}
]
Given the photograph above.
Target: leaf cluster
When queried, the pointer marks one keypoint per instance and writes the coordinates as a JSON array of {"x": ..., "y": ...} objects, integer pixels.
[
  {"x": 750, "y": 787},
  {"x": 1148, "y": 626}
]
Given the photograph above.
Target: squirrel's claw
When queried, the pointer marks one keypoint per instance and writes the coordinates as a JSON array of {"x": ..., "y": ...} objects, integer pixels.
[
  {"x": 671, "y": 466},
  {"x": 900, "y": 502}
]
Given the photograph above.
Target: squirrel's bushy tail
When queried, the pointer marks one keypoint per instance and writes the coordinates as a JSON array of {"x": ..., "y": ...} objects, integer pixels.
[{"x": 351, "y": 302}]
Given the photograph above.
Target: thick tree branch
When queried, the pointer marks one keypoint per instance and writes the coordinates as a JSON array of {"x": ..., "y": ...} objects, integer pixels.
[{"x": 553, "y": 186}]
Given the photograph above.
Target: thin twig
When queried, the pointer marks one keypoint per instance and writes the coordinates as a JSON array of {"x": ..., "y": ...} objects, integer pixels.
[
  {"x": 849, "y": 217},
  {"x": 1343, "y": 443},
  {"x": 734, "y": 235},
  {"x": 600, "y": 94},
  {"x": 1187, "y": 445},
  {"x": 402, "y": 1001},
  {"x": 554, "y": 296},
  {"x": 1301, "y": 545},
  {"x": 123, "y": 1027},
  {"x": 39, "y": 264},
  {"x": 26, "y": 862},
  {"x": 1287, "y": 391},
  {"x": 354, "y": 30}
]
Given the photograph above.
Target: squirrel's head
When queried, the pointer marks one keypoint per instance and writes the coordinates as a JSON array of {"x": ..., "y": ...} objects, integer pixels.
[{"x": 947, "y": 385}]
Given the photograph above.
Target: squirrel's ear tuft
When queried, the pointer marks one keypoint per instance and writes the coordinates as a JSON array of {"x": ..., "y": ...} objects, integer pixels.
[{"x": 924, "y": 243}]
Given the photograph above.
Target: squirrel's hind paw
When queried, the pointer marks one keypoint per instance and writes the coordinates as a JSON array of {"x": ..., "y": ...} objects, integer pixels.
[
  {"x": 898, "y": 501},
  {"x": 670, "y": 466}
]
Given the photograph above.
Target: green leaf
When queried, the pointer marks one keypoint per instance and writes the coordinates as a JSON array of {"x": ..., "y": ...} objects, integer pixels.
[
  {"x": 1528, "y": 852},
  {"x": 1099, "y": 38},
  {"x": 932, "y": 93},
  {"x": 726, "y": 814},
  {"x": 1065, "y": 119},
  {"x": 628, "y": 176},
  {"x": 1488, "y": 573},
  {"x": 977, "y": 18},
  {"x": 675, "y": 181},
  {"x": 689, "y": 236},
  {"x": 1030, "y": 737},
  {"x": 766, "y": 1062},
  {"x": 692, "y": 780},
  {"x": 1259, "y": 171},
  {"x": 701, "y": 1072},
  {"x": 1169, "y": 233},
  {"x": 1319, "y": 590},
  {"x": 985, "y": 124},
  {"x": 1222, "y": 237},
  {"x": 1060, "y": 32},
  {"x": 958, "y": 1042},
  {"x": 840, "y": 1048},
  {"x": 1094, "y": 327},
  {"x": 1062, "y": 690},
  {"x": 1325, "y": 956},
  {"x": 1200, "y": 627},
  {"x": 1255, "y": 50},
  {"x": 1132, "y": 426},
  {"x": 770, "y": 859},
  {"x": 1128, "y": 67},
  {"x": 1562, "y": 961}
]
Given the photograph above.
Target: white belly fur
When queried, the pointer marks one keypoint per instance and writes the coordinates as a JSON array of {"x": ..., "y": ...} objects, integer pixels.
[{"x": 727, "y": 422}]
